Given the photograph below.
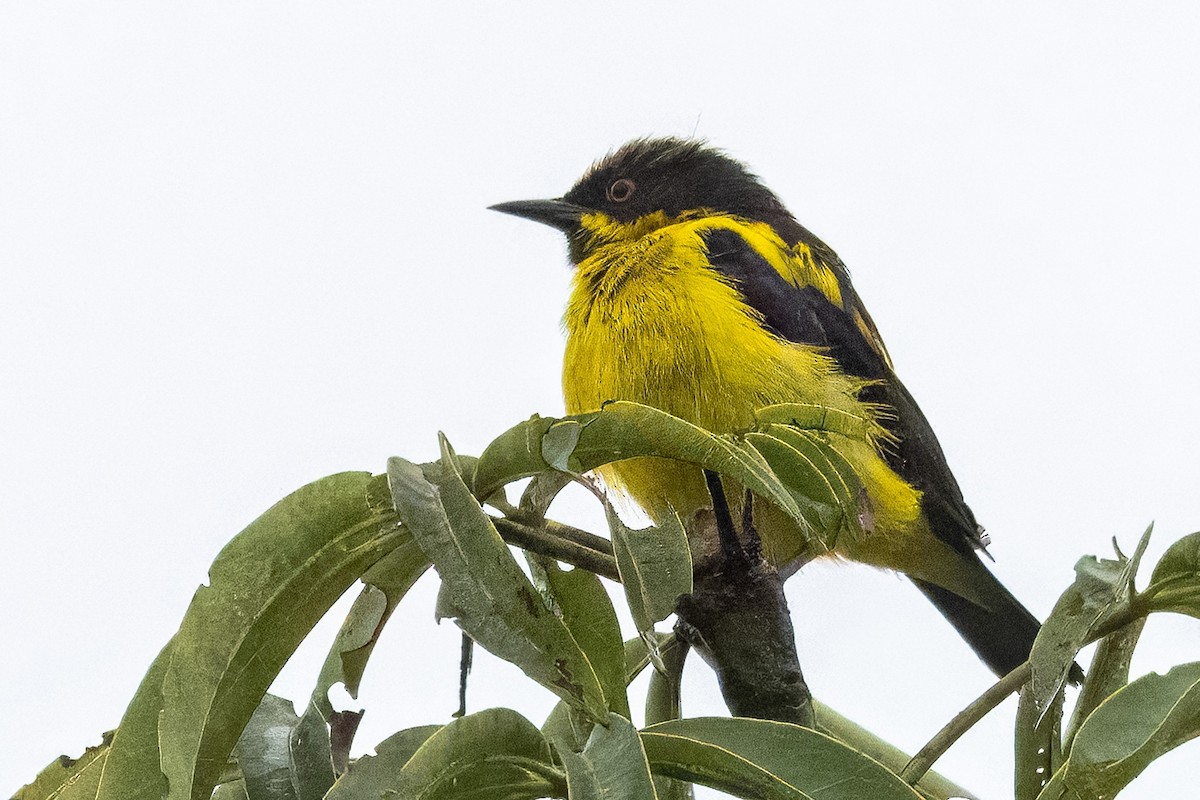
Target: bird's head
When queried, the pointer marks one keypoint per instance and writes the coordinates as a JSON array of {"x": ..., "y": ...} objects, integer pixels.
[{"x": 647, "y": 184}]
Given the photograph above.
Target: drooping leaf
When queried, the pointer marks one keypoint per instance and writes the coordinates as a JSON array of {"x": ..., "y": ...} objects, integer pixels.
[
  {"x": 811, "y": 416},
  {"x": 386, "y": 583},
  {"x": 1108, "y": 672},
  {"x": 517, "y": 453},
  {"x": 69, "y": 778},
  {"x": 494, "y": 753},
  {"x": 764, "y": 759},
  {"x": 589, "y": 616},
  {"x": 1175, "y": 583},
  {"x": 1038, "y": 753},
  {"x": 567, "y": 728},
  {"x": 374, "y": 776},
  {"x": 559, "y": 442},
  {"x": 818, "y": 474},
  {"x": 1102, "y": 591},
  {"x": 664, "y": 702},
  {"x": 794, "y": 460},
  {"x": 655, "y": 564},
  {"x": 231, "y": 790},
  {"x": 801, "y": 463},
  {"x": 542, "y": 490},
  {"x": 280, "y": 757},
  {"x": 484, "y": 588},
  {"x": 132, "y": 771},
  {"x": 1136, "y": 725},
  {"x": 268, "y": 587},
  {"x": 621, "y": 430},
  {"x": 612, "y": 765}
]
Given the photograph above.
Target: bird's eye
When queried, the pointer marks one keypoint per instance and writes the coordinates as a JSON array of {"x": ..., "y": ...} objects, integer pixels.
[{"x": 620, "y": 191}]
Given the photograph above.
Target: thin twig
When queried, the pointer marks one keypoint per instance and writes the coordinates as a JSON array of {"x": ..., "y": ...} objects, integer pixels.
[
  {"x": 580, "y": 537},
  {"x": 994, "y": 696},
  {"x": 962, "y": 722},
  {"x": 541, "y": 540},
  {"x": 569, "y": 532}
]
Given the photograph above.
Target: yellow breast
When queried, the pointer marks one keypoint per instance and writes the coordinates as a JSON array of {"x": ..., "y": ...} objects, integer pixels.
[{"x": 650, "y": 320}]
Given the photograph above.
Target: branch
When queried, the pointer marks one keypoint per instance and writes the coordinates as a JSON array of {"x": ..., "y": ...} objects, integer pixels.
[{"x": 737, "y": 620}]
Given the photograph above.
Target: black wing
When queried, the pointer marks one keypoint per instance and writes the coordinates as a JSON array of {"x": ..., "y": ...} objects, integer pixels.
[
  {"x": 1001, "y": 631},
  {"x": 805, "y": 315}
]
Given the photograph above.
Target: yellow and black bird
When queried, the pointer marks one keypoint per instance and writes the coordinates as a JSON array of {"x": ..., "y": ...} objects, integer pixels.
[{"x": 696, "y": 292}]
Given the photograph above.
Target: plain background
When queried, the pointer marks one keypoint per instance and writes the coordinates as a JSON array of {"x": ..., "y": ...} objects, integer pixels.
[{"x": 243, "y": 246}]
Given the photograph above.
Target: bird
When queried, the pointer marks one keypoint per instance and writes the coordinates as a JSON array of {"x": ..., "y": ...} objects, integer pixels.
[{"x": 697, "y": 292}]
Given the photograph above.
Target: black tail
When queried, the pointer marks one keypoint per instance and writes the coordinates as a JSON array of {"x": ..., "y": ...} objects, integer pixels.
[{"x": 1001, "y": 634}]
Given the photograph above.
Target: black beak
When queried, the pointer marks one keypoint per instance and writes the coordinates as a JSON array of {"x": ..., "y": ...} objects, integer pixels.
[{"x": 555, "y": 213}]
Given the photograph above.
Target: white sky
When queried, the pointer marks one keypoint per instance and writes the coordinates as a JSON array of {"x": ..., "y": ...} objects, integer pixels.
[{"x": 242, "y": 247}]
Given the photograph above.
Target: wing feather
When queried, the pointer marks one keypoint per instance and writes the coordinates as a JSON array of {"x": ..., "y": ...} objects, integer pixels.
[{"x": 806, "y": 315}]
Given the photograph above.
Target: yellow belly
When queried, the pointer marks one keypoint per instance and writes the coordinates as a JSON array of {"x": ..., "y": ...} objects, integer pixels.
[{"x": 649, "y": 321}]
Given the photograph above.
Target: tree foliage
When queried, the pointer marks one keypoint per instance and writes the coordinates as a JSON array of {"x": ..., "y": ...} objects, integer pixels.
[{"x": 201, "y": 724}]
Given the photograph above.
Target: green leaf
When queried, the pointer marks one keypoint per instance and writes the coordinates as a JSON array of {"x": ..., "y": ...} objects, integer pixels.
[
  {"x": 1038, "y": 753},
  {"x": 800, "y": 462},
  {"x": 559, "y": 442},
  {"x": 621, "y": 430},
  {"x": 1175, "y": 583},
  {"x": 569, "y": 729},
  {"x": 491, "y": 598},
  {"x": 494, "y": 753},
  {"x": 1103, "y": 590},
  {"x": 373, "y": 776},
  {"x": 387, "y": 581},
  {"x": 811, "y": 416},
  {"x": 232, "y": 790},
  {"x": 69, "y": 778},
  {"x": 612, "y": 765},
  {"x": 664, "y": 702},
  {"x": 542, "y": 490},
  {"x": 589, "y": 615},
  {"x": 283, "y": 756},
  {"x": 625, "y": 430},
  {"x": 132, "y": 771},
  {"x": 820, "y": 478},
  {"x": 763, "y": 759},
  {"x": 269, "y": 586},
  {"x": 1108, "y": 672},
  {"x": 932, "y": 785},
  {"x": 582, "y": 781},
  {"x": 517, "y": 453},
  {"x": 655, "y": 565},
  {"x": 1136, "y": 725}
]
